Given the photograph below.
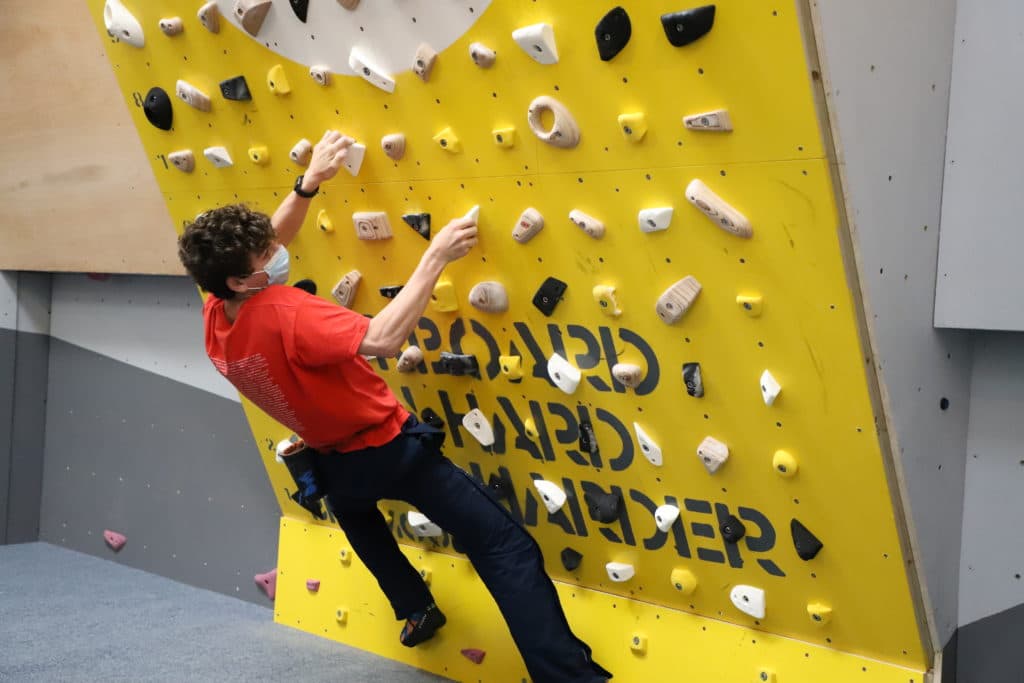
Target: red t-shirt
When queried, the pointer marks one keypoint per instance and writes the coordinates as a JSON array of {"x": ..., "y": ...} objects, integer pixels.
[{"x": 296, "y": 356}]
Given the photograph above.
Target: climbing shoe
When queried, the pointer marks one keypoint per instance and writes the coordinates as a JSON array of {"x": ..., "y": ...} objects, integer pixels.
[{"x": 422, "y": 625}]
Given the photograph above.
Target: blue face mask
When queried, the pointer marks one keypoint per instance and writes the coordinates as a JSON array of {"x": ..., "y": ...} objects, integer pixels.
[{"x": 276, "y": 269}]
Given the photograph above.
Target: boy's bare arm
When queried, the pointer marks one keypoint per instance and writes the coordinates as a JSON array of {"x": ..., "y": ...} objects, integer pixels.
[{"x": 328, "y": 155}]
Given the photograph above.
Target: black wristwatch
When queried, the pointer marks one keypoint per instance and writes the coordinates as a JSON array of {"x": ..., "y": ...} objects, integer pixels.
[{"x": 302, "y": 193}]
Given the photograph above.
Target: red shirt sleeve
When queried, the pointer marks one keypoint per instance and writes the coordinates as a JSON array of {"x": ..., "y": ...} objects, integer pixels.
[{"x": 326, "y": 333}]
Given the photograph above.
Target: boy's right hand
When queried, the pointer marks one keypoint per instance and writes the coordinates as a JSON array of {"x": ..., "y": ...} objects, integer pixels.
[{"x": 455, "y": 240}]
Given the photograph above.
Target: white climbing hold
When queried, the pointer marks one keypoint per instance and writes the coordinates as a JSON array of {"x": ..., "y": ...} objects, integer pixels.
[
  {"x": 473, "y": 214},
  {"x": 553, "y": 497},
  {"x": 321, "y": 74},
  {"x": 301, "y": 152},
  {"x": 192, "y": 96},
  {"x": 656, "y": 219},
  {"x": 619, "y": 572},
  {"x": 770, "y": 388},
  {"x": 172, "y": 26},
  {"x": 717, "y": 121},
  {"x": 749, "y": 600},
  {"x": 218, "y": 156},
  {"x": 482, "y": 55},
  {"x": 183, "y": 160},
  {"x": 587, "y": 224},
  {"x": 209, "y": 16},
  {"x": 422, "y": 524},
  {"x": 648, "y": 447},
  {"x": 362, "y": 66},
  {"x": 713, "y": 453},
  {"x": 122, "y": 24},
  {"x": 628, "y": 375},
  {"x": 718, "y": 210},
  {"x": 665, "y": 516},
  {"x": 410, "y": 359},
  {"x": 564, "y": 374},
  {"x": 354, "y": 158},
  {"x": 476, "y": 423},
  {"x": 538, "y": 41}
]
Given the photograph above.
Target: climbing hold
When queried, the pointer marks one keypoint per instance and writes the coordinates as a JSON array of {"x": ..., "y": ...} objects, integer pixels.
[
  {"x": 751, "y": 304},
  {"x": 449, "y": 141},
  {"x": 530, "y": 427},
  {"x": 604, "y": 295},
  {"x": 172, "y": 26},
  {"x": 459, "y": 364},
  {"x": 251, "y": 13},
  {"x": 277, "y": 81},
  {"x": 785, "y": 464},
  {"x": 613, "y": 33},
  {"x": 267, "y": 582},
  {"x": 482, "y": 55},
  {"x": 653, "y": 220},
  {"x": 192, "y": 96},
  {"x": 587, "y": 224},
  {"x": 604, "y": 507},
  {"x": 301, "y": 152},
  {"x": 422, "y": 524},
  {"x": 183, "y": 160},
  {"x": 361, "y": 66},
  {"x": 122, "y": 24},
  {"x": 390, "y": 291},
  {"x": 682, "y": 28},
  {"x": 209, "y": 17},
  {"x": 354, "y": 155},
  {"x": 341, "y": 615},
  {"x": 732, "y": 529},
  {"x": 713, "y": 453},
  {"x": 633, "y": 126},
  {"x": 501, "y": 486},
  {"x": 321, "y": 74},
  {"x": 306, "y": 285},
  {"x": 717, "y": 120},
  {"x": 564, "y": 374},
  {"x": 423, "y": 63},
  {"x": 693, "y": 380},
  {"x": 770, "y": 388},
  {"x": 564, "y": 131},
  {"x": 346, "y": 288},
  {"x": 529, "y": 224},
  {"x": 432, "y": 418},
  {"x": 313, "y": 585},
  {"x": 638, "y": 644},
  {"x": 349, "y": 4},
  {"x": 717, "y": 210},
  {"x": 158, "y": 109},
  {"x": 628, "y": 375},
  {"x": 372, "y": 225},
  {"x": 619, "y": 572},
  {"x": 571, "y": 559},
  {"x": 511, "y": 367},
  {"x": 218, "y": 156},
  {"x": 677, "y": 299},
  {"x": 425, "y": 573},
  {"x": 766, "y": 676},
  {"x": 538, "y": 41},
  {"x": 807, "y": 544},
  {"x": 588, "y": 439},
  {"x": 115, "y": 540},
  {"x": 474, "y": 655},
  {"x": 819, "y": 613},
  {"x": 476, "y": 423},
  {"x": 684, "y": 581},
  {"x": 748, "y": 600},
  {"x": 665, "y": 516},
  {"x": 394, "y": 146},
  {"x": 473, "y": 214},
  {"x": 235, "y": 89},
  {"x": 420, "y": 222},
  {"x": 443, "y": 299},
  {"x": 650, "y": 449},
  {"x": 259, "y": 155},
  {"x": 489, "y": 297},
  {"x": 410, "y": 359},
  {"x": 504, "y": 137},
  {"x": 301, "y": 9},
  {"x": 548, "y": 295},
  {"x": 553, "y": 497}
]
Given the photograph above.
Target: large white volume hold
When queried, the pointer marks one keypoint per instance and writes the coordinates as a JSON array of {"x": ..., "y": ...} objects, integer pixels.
[
  {"x": 122, "y": 24},
  {"x": 770, "y": 388},
  {"x": 551, "y": 494},
  {"x": 564, "y": 374},
  {"x": 653, "y": 220},
  {"x": 354, "y": 158},
  {"x": 650, "y": 449},
  {"x": 748, "y": 600},
  {"x": 619, "y": 571},
  {"x": 713, "y": 453},
  {"x": 538, "y": 41},
  {"x": 422, "y": 524},
  {"x": 473, "y": 214},
  {"x": 477, "y": 425},
  {"x": 361, "y": 66},
  {"x": 218, "y": 156},
  {"x": 665, "y": 516},
  {"x": 718, "y": 210}
]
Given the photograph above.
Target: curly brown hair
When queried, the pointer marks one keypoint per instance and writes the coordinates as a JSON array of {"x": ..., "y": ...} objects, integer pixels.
[{"x": 218, "y": 244}]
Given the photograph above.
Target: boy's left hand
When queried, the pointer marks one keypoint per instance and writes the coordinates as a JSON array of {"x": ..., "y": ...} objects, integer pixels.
[{"x": 328, "y": 155}]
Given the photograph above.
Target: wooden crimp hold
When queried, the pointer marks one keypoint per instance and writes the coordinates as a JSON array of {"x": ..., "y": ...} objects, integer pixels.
[
  {"x": 587, "y": 223},
  {"x": 552, "y": 495},
  {"x": 277, "y": 80},
  {"x": 677, "y": 299},
  {"x": 361, "y": 65},
  {"x": 313, "y": 585},
  {"x": 321, "y": 74},
  {"x": 372, "y": 225},
  {"x": 324, "y": 222},
  {"x": 650, "y": 449},
  {"x": 633, "y": 126},
  {"x": 564, "y": 374},
  {"x": 628, "y": 375},
  {"x": 511, "y": 367},
  {"x": 538, "y": 41},
  {"x": 713, "y": 453},
  {"x": 483, "y": 56},
  {"x": 489, "y": 297},
  {"x": 684, "y": 581},
  {"x": 209, "y": 17},
  {"x": 620, "y": 572},
  {"x": 655, "y": 219},
  {"x": 354, "y": 156},
  {"x": 819, "y": 612},
  {"x": 713, "y": 121},
  {"x": 192, "y": 96},
  {"x": 393, "y": 146},
  {"x": 114, "y": 539},
  {"x": 172, "y": 26},
  {"x": 504, "y": 137},
  {"x": 122, "y": 25},
  {"x": 752, "y": 304},
  {"x": 473, "y": 654},
  {"x": 410, "y": 359},
  {"x": 345, "y": 291},
  {"x": 251, "y": 13},
  {"x": 476, "y": 424},
  {"x": 267, "y": 582},
  {"x": 301, "y": 152},
  {"x": 683, "y": 28},
  {"x": 183, "y": 160},
  {"x": 443, "y": 299},
  {"x": 564, "y": 132},
  {"x": 218, "y": 156},
  {"x": 770, "y": 388},
  {"x": 605, "y": 297},
  {"x": 785, "y": 464},
  {"x": 448, "y": 141},
  {"x": 665, "y": 516},
  {"x": 749, "y": 600},
  {"x": 349, "y": 4},
  {"x": 423, "y": 62},
  {"x": 529, "y": 224},
  {"x": 718, "y": 210},
  {"x": 259, "y": 155},
  {"x": 422, "y": 525}
]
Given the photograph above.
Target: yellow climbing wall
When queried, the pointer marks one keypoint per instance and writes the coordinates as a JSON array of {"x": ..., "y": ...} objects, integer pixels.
[{"x": 773, "y": 168}]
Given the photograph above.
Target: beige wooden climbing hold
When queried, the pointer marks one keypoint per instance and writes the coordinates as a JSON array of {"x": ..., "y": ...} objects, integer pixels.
[
  {"x": 587, "y": 224},
  {"x": 423, "y": 62},
  {"x": 563, "y": 133},
  {"x": 323, "y": 221},
  {"x": 717, "y": 121},
  {"x": 511, "y": 367},
  {"x": 448, "y": 141},
  {"x": 633, "y": 126},
  {"x": 345, "y": 291},
  {"x": 251, "y": 13},
  {"x": 394, "y": 146},
  {"x": 476, "y": 424},
  {"x": 718, "y": 210},
  {"x": 713, "y": 453},
  {"x": 321, "y": 74},
  {"x": 172, "y": 26},
  {"x": 122, "y": 25},
  {"x": 218, "y": 156},
  {"x": 628, "y": 375},
  {"x": 538, "y": 41},
  {"x": 259, "y": 155},
  {"x": 277, "y": 80},
  {"x": 183, "y": 160},
  {"x": 349, "y": 4},
  {"x": 605, "y": 297},
  {"x": 410, "y": 359},
  {"x": 443, "y": 299},
  {"x": 528, "y": 225},
  {"x": 482, "y": 55},
  {"x": 361, "y": 65},
  {"x": 677, "y": 299},
  {"x": 209, "y": 17},
  {"x": 504, "y": 137},
  {"x": 192, "y": 96},
  {"x": 372, "y": 225},
  {"x": 301, "y": 152},
  {"x": 489, "y": 297}
]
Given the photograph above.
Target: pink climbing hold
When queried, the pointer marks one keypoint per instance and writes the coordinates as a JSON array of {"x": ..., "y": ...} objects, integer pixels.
[
  {"x": 474, "y": 655},
  {"x": 115, "y": 540},
  {"x": 268, "y": 582},
  {"x": 313, "y": 585}
]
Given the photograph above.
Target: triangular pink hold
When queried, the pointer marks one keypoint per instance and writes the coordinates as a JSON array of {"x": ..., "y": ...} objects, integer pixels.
[
  {"x": 115, "y": 540},
  {"x": 267, "y": 582},
  {"x": 474, "y": 655},
  {"x": 313, "y": 585}
]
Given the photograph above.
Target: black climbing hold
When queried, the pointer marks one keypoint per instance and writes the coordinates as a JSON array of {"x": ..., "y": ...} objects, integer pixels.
[
  {"x": 682, "y": 28},
  {"x": 306, "y": 285},
  {"x": 693, "y": 379},
  {"x": 432, "y": 418},
  {"x": 459, "y": 365},
  {"x": 420, "y": 222},
  {"x": 390, "y": 292},
  {"x": 613, "y": 32},
  {"x": 158, "y": 108},
  {"x": 549, "y": 294},
  {"x": 588, "y": 440},
  {"x": 571, "y": 559},
  {"x": 301, "y": 9},
  {"x": 807, "y": 544},
  {"x": 604, "y": 507},
  {"x": 235, "y": 89},
  {"x": 500, "y": 486},
  {"x": 732, "y": 529}
]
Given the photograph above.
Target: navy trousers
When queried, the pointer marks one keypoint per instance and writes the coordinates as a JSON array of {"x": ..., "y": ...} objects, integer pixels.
[{"x": 411, "y": 468}]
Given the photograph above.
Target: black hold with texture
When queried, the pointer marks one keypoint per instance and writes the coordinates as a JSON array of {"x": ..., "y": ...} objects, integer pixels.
[
  {"x": 235, "y": 89},
  {"x": 603, "y": 507},
  {"x": 694, "y": 381},
  {"x": 301, "y": 9},
  {"x": 549, "y": 294},
  {"x": 571, "y": 559},
  {"x": 807, "y": 544},
  {"x": 732, "y": 529},
  {"x": 613, "y": 33},
  {"x": 157, "y": 107},
  {"x": 420, "y": 222},
  {"x": 686, "y": 26},
  {"x": 459, "y": 365},
  {"x": 306, "y": 285},
  {"x": 391, "y": 291}
]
